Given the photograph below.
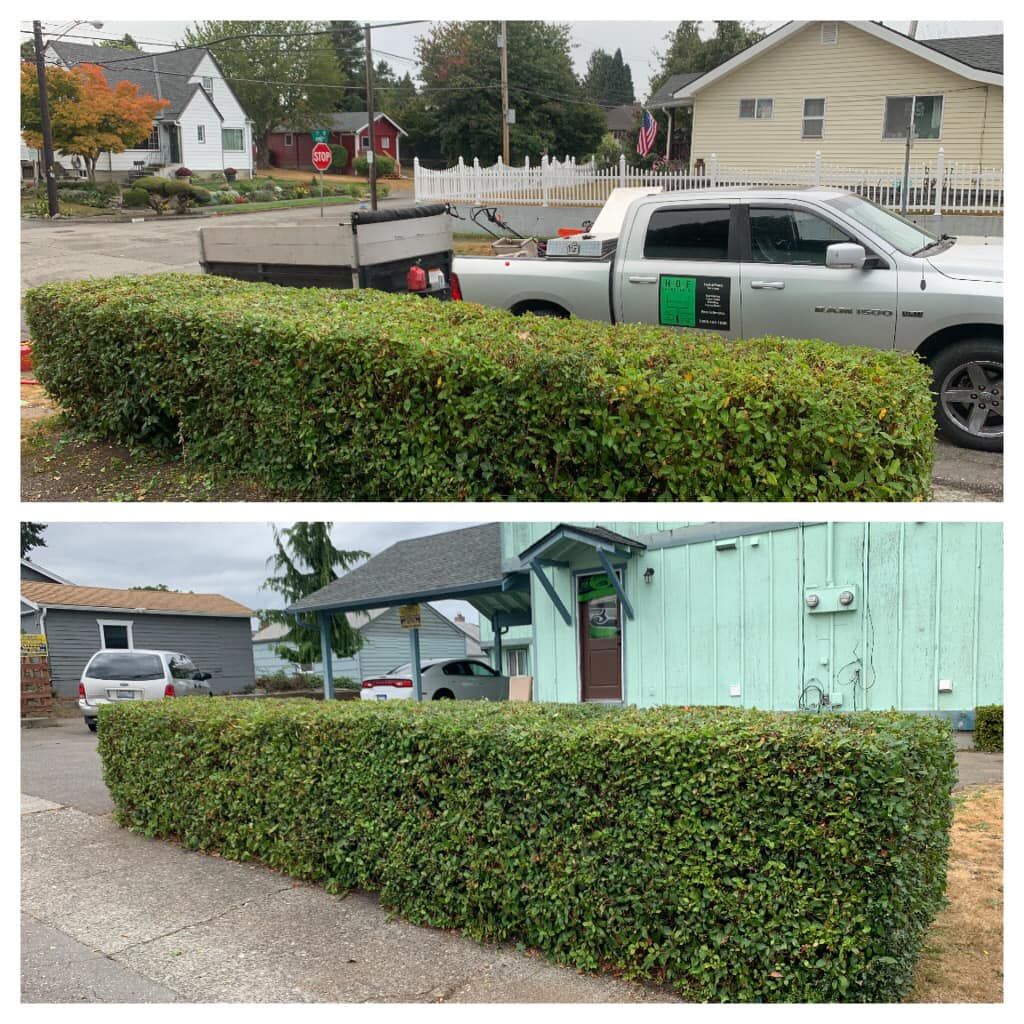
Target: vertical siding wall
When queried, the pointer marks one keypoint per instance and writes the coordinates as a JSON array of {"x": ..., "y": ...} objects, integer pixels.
[{"x": 929, "y": 607}]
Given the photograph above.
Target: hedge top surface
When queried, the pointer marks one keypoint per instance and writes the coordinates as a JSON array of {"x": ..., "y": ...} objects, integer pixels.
[{"x": 411, "y": 399}]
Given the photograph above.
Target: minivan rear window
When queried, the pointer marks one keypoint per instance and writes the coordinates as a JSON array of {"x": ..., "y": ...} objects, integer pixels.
[{"x": 125, "y": 665}]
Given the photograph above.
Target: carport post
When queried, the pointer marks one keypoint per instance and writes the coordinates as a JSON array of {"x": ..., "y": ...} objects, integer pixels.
[
  {"x": 325, "y": 653},
  {"x": 417, "y": 682},
  {"x": 497, "y": 642}
]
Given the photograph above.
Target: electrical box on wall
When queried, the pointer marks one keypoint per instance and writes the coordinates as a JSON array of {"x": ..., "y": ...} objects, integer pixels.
[
  {"x": 945, "y": 686},
  {"x": 831, "y": 599},
  {"x": 734, "y": 690}
]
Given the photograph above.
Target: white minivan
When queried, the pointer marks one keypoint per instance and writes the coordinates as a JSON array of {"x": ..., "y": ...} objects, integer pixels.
[{"x": 114, "y": 676}]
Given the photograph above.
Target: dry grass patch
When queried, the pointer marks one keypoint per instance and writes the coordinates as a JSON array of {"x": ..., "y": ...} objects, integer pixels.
[{"x": 962, "y": 961}]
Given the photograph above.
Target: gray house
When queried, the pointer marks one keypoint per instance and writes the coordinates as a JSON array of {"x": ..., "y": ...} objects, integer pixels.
[
  {"x": 385, "y": 644},
  {"x": 78, "y": 621}
]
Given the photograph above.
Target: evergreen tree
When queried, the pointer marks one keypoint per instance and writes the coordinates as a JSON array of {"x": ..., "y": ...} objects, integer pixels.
[
  {"x": 32, "y": 537},
  {"x": 305, "y": 561},
  {"x": 350, "y": 53},
  {"x": 619, "y": 89}
]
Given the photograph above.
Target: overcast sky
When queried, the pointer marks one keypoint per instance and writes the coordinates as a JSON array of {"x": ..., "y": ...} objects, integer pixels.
[
  {"x": 209, "y": 558},
  {"x": 640, "y": 41}
]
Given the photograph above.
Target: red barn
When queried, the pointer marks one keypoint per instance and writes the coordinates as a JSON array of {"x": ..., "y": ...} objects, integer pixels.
[{"x": 350, "y": 129}]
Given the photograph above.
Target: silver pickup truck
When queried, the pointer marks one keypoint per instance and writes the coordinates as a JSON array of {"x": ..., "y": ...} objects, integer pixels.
[{"x": 797, "y": 263}]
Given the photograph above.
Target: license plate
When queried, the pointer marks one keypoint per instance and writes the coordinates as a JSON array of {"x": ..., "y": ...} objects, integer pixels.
[
  {"x": 123, "y": 694},
  {"x": 381, "y": 696}
]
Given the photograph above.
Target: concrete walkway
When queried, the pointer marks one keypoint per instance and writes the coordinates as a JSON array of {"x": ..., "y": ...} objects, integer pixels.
[{"x": 109, "y": 916}]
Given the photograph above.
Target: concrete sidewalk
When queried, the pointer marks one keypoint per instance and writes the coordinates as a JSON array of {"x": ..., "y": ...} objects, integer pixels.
[{"x": 109, "y": 916}]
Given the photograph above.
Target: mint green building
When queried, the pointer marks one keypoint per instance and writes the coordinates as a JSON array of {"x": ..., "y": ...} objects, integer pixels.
[{"x": 782, "y": 616}]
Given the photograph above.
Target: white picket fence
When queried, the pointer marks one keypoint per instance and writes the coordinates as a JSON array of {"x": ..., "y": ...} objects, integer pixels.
[{"x": 566, "y": 183}]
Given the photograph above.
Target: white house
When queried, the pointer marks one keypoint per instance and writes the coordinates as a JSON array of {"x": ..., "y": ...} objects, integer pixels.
[{"x": 203, "y": 128}]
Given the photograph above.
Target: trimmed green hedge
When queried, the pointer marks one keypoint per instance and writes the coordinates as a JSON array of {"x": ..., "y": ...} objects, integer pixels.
[
  {"x": 362, "y": 395},
  {"x": 988, "y": 728},
  {"x": 735, "y": 855}
]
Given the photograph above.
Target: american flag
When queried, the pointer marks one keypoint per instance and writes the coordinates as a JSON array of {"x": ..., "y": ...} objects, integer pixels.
[{"x": 648, "y": 131}]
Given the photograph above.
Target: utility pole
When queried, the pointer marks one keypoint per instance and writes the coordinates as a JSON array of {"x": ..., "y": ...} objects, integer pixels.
[
  {"x": 44, "y": 119},
  {"x": 503, "y": 46},
  {"x": 371, "y": 156},
  {"x": 905, "y": 189}
]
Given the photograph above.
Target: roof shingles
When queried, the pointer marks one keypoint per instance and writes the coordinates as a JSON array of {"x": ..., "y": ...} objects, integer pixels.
[{"x": 63, "y": 595}]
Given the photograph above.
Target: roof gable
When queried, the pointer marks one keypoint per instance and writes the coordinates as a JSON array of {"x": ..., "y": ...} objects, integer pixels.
[
  {"x": 917, "y": 47},
  {"x": 27, "y": 563},
  {"x": 164, "y": 75}
]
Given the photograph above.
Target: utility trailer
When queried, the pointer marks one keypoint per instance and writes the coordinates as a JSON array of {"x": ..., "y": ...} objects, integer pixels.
[{"x": 390, "y": 250}]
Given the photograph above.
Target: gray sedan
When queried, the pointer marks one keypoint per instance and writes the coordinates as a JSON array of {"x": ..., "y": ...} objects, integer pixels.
[{"x": 441, "y": 679}]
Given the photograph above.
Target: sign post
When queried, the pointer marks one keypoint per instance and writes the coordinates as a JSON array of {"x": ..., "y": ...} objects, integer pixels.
[
  {"x": 322, "y": 158},
  {"x": 409, "y": 618}
]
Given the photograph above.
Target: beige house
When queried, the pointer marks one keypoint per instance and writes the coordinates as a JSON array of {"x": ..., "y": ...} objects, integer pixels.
[{"x": 851, "y": 90}]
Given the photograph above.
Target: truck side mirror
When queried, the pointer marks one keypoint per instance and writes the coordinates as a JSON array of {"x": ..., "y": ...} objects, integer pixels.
[{"x": 845, "y": 256}]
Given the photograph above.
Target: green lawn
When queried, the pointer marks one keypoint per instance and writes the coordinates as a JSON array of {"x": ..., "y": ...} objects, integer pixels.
[{"x": 279, "y": 204}]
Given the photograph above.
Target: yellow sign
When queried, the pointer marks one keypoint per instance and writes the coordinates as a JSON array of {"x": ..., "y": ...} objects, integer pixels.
[
  {"x": 33, "y": 645},
  {"x": 409, "y": 616}
]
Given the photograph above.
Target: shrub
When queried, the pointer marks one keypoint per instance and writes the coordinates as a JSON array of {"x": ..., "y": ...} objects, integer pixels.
[
  {"x": 385, "y": 165},
  {"x": 183, "y": 172},
  {"x": 84, "y": 197},
  {"x": 360, "y": 395},
  {"x": 262, "y": 195},
  {"x": 735, "y": 855},
  {"x": 988, "y": 728},
  {"x": 245, "y": 186},
  {"x": 339, "y": 160},
  {"x": 136, "y": 197}
]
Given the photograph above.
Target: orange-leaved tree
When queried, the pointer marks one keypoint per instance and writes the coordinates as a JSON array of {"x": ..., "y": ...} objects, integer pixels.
[{"x": 87, "y": 116}]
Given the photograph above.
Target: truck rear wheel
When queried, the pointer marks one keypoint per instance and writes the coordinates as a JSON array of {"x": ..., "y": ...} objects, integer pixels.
[{"x": 970, "y": 398}]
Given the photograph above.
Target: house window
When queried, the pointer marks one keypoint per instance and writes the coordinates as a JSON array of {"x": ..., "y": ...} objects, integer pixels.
[
  {"x": 153, "y": 140},
  {"x": 924, "y": 112},
  {"x": 688, "y": 234},
  {"x": 829, "y": 33},
  {"x": 761, "y": 109},
  {"x": 200, "y": 133},
  {"x": 519, "y": 662},
  {"x": 208, "y": 85},
  {"x": 814, "y": 119},
  {"x": 232, "y": 139},
  {"x": 115, "y": 635},
  {"x": 385, "y": 142},
  {"x": 289, "y": 139},
  {"x": 364, "y": 142}
]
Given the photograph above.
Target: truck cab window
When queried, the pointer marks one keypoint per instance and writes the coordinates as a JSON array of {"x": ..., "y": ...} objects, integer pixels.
[
  {"x": 688, "y": 234},
  {"x": 791, "y": 236}
]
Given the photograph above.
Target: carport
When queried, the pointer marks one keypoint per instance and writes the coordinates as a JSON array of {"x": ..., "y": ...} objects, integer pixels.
[{"x": 461, "y": 564}]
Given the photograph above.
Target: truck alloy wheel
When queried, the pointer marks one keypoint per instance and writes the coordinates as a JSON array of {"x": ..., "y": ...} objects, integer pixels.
[{"x": 970, "y": 394}]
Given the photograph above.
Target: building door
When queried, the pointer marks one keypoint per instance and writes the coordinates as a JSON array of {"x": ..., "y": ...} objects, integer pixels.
[
  {"x": 600, "y": 638},
  {"x": 174, "y": 139}
]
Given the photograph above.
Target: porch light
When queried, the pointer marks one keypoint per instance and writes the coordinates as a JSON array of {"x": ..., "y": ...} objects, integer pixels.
[{"x": 648, "y": 575}]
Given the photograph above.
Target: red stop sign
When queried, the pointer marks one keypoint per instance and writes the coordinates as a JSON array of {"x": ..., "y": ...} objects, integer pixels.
[{"x": 322, "y": 156}]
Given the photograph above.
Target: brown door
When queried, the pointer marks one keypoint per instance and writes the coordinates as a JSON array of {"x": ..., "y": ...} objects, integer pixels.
[{"x": 600, "y": 632}]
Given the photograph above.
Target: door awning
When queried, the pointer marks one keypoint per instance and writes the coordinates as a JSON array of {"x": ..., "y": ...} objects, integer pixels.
[{"x": 558, "y": 546}]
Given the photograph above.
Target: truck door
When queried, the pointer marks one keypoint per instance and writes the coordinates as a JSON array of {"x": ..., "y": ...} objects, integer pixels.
[
  {"x": 787, "y": 290},
  {"x": 681, "y": 269}
]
